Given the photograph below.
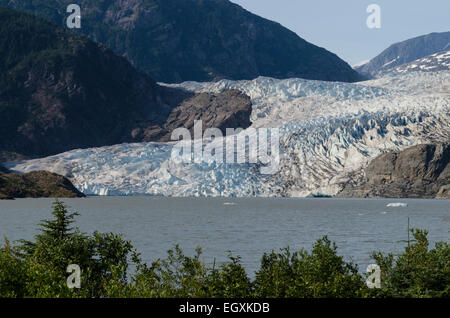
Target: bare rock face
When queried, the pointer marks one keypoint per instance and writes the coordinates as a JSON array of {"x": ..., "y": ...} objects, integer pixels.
[
  {"x": 36, "y": 184},
  {"x": 444, "y": 192},
  {"x": 228, "y": 109},
  {"x": 421, "y": 171}
]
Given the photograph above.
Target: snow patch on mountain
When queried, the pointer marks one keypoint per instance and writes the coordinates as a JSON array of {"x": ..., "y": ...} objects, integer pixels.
[{"x": 432, "y": 63}]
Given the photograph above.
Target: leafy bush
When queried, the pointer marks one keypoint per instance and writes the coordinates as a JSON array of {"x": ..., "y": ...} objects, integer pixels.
[
  {"x": 176, "y": 276},
  {"x": 183, "y": 276},
  {"x": 418, "y": 271},
  {"x": 321, "y": 273},
  {"x": 12, "y": 273}
]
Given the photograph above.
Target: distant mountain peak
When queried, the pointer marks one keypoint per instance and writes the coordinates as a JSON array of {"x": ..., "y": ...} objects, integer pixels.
[{"x": 405, "y": 52}]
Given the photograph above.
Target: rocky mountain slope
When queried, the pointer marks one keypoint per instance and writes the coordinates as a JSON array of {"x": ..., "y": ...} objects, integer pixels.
[
  {"x": 421, "y": 171},
  {"x": 227, "y": 109},
  {"x": 201, "y": 40},
  {"x": 432, "y": 63},
  {"x": 60, "y": 91},
  {"x": 36, "y": 184},
  {"x": 406, "y": 52}
]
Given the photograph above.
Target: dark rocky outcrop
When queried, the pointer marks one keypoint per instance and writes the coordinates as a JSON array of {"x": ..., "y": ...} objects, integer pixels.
[
  {"x": 36, "y": 184},
  {"x": 421, "y": 171},
  {"x": 201, "y": 40},
  {"x": 60, "y": 91},
  {"x": 228, "y": 109}
]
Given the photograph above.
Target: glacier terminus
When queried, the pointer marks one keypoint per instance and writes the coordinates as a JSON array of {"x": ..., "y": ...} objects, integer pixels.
[{"x": 329, "y": 131}]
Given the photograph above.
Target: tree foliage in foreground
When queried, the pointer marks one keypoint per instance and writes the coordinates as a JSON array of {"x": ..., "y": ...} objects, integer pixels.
[
  {"x": 38, "y": 269},
  {"x": 418, "y": 271}
]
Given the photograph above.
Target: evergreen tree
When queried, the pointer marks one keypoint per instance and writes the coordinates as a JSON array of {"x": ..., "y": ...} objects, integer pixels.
[
  {"x": 53, "y": 231},
  {"x": 59, "y": 228}
]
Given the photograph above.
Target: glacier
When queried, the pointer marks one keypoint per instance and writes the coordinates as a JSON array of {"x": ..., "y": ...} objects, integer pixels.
[{"x": 329, "y": 131}]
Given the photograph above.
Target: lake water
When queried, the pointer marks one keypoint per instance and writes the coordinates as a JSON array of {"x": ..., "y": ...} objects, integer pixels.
[{"x": 245, "y": 226}]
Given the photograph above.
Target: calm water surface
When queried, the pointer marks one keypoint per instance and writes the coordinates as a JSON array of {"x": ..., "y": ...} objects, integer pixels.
[{"x": 246, "y": 227}]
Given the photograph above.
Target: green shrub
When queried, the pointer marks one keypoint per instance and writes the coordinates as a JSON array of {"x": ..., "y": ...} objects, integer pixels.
[
  {"x": 230, "y": 280},
  {"x": 321, "y": 273},
  {"x": 176, "y": 276},
  {"x": 12, "y": 273},
  {"x": 418, "y": 271},
  {"x": 181, "y": 276}
]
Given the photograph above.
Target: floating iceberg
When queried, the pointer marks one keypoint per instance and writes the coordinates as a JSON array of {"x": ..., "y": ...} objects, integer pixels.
[{"x": 397, "y": 205}]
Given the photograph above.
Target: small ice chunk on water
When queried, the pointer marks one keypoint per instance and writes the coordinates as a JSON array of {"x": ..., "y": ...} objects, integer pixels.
[{"x": 397, "y": 205}]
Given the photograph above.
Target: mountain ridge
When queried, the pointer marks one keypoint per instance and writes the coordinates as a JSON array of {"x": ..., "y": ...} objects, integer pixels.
[
  {"x": 201, "y": 40},
  {"x": 405, "y": 52},
  {"x": 61, "y": 91}
]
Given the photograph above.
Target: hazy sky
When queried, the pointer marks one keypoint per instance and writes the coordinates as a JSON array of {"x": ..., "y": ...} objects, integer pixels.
[{"x": 340, "y": 25}]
